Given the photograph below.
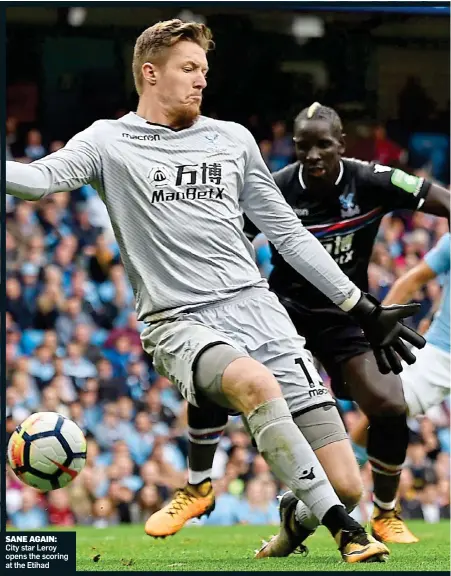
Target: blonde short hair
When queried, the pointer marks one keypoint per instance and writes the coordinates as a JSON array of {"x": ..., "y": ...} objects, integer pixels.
[{"x": 154, "y": 41}]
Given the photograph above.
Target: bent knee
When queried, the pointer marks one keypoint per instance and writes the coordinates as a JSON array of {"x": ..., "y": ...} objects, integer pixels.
[
  {"x": 249, "y": 384},
  {"x": 386, "y": 403},
  {"x": 385, "y": 397},
  {"x": 376, "y": 394}
]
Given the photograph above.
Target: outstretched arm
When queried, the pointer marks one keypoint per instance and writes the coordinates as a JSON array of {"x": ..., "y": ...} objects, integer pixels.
[
  {"x": 76, "y": 164},
  {"x": 437, "y": 261},
  {"x": 405, "y": 287},
  {"x": 437, "y": 201}
]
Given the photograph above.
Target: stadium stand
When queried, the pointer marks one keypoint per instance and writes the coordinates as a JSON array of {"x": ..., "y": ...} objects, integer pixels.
[{"x": 73, "y": 347}]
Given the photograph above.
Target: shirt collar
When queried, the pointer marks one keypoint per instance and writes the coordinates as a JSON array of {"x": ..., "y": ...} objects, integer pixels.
[{"x": 337, "y": 181}]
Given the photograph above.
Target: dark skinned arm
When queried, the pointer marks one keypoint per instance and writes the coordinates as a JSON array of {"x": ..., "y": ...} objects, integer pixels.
[{"x": 437, "y": 201}]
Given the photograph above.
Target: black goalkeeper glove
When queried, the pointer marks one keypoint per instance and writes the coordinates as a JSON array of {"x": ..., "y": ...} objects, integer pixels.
[{"x": 384, "y": 329}]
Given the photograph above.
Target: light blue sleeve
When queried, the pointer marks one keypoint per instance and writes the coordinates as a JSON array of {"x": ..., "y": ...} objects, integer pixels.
[
  {"x": 263, "y": 255},
  {"x": 438, "y": 259}
]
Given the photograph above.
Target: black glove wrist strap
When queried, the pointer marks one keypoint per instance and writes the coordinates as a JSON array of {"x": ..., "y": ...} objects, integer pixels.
[{"x": 366, "y": 305}]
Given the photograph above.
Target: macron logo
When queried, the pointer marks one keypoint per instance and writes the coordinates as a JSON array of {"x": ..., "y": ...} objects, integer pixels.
[{"x": 147, "y": 137}]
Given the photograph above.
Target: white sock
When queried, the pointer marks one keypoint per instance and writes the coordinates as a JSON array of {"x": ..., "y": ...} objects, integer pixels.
[
  {"x": 195, "y": 477},
  {"x": 384, "y": 505}
]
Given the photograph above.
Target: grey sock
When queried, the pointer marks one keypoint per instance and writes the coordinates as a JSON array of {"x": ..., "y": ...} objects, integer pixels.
[{"x": 290, "y": 457}]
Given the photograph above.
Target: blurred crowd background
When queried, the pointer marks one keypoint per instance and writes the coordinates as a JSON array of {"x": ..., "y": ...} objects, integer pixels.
[{"x": 72, "y": 337}]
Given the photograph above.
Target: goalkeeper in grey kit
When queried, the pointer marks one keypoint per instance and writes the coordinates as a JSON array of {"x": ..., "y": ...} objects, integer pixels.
[{"x": 175, "y": 185}]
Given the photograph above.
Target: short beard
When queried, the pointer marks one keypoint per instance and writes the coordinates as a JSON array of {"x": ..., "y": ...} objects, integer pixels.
[{"x": 185, "y": 116}]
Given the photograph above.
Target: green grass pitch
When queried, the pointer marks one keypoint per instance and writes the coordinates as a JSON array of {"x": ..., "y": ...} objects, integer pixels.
[{"x": 127, "y": 548}]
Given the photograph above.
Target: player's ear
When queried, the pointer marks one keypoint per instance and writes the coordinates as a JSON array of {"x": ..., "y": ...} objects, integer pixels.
[
  {"x": 342, "y": 144},
  {"x": 148, "y": 72}
]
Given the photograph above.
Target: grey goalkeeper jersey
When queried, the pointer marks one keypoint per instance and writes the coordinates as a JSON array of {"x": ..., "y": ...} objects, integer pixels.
[{"x": 175, "y": 199}]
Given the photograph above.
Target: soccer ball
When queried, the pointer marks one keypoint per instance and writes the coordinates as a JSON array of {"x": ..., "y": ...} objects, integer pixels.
[{"x": 47, "y": 451}]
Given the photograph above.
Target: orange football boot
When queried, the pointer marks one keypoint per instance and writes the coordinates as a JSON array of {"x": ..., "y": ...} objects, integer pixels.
[{"x": 188, "y": 502}]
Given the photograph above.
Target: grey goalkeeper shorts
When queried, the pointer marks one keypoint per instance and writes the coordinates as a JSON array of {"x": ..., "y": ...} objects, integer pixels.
[{"x": 255, "y": 324}]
